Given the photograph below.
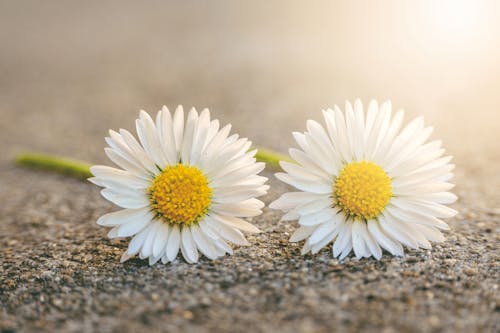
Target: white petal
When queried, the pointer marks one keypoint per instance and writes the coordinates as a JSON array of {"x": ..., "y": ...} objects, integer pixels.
[
  {"x": 160, "y": 240},
  {"x": 235, "y": 222},
  {"x": 316, "y": 247},
  {"x": 253, "y": 180},
  {"x": 122, "y": 216},
  {"x": 121, "y": 148},
  {"x": 226, "y": 232},
  {"x": 303, "y": 173},
  {"x": 403, "y": 150},
  {"x": 386, "y": 139},
  {"x": 291, "y": 200},
  {"x": 212, "y": 132},
  {"x": 134, "y": 226},
  {"x": 347, "y": 249},
  {"x": 391, "y": 245},
  {"x": 242, "y": 209},
  {"x": 122, "y": 162},
  {"x": 237, "y": 187},
  {"x": 314, "y": 206},
  {"x": 427, "y": 157},
  {"x": 371, "y": 245},
  {"x": 207, "y": 230},
  {"x": 302, "y": 233},
  {"x": 318, "y": 186},
  {"x": 216, "y": 162},
  {"x": 112, "y": 175},
  {"x": 404, "y": 144},
  {"x": 125, "y": 256},
  {"x": 379, "y": 120},
  {"x": 308, "y": 163},
  {"x": 173, "y": 243},
  {"x": 188, "y": 247},
  {"x": 164, "y": 259},
  {"x": 422, "y": 177},
  {"x": 423, "y": 207},
  {"x": 222, "y": 247},
  {"x": 323, "y": 230},
  {"x": 358, "y": 242},
  {"x": 414, "y": 231},
  {"x": 318, "y": 217},
  {"x": 164, "y": 123},
  {"x": 117, "y": 186},
  {"x": 435, "y": 163},
  {"x": 189, "y": 132},
  {"x": 371, "y": 118},
  {"x": 321, "y": 148},
  {"x": 239, "y": 163},
  {"x": 240, "y": 195},
  {"x": 354, "y": 128},
  {"x": 200, "y": 136},
  {"x": 153, "y": 260},
  {"x": 290, "y": 216},
  {"x": 236, "y": 175},
  {"x": 178, "y": 128},
  {"x": 415, "y": 217},
  {"x": 138, "y": 200},
  {"x": 341, "y": 135},
  {"x": 147, "y": 247},
  {"x": 424, "y": 188},
  {"x": 344, "y": 239},
  {"x": 397, "y": 231},
  {"x": 148, "y": 135},
  {"x": 431, "y": 233},
  {"x": 215, "y": 144},
  {"x": 203, "y": 243},
  {"x": 139, "y": 152},
  {"x": 137, "y": 242},
  {"x": 306, "y": 248}
]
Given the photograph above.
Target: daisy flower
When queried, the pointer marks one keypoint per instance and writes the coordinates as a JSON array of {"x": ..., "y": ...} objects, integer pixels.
[
  {"x": 367, "y": 185},
  {"x": 185, "y": 185}
]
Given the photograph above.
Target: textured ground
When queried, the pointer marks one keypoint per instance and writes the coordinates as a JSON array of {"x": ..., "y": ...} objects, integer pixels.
[{"x": 72, "y": 73}]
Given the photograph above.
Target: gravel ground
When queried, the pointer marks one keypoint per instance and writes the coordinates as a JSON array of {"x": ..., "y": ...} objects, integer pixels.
[{"x": 71, "y": 73}]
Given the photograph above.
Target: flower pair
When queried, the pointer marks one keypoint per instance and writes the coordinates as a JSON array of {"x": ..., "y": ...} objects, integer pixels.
[{"x": 363, "y": 182}]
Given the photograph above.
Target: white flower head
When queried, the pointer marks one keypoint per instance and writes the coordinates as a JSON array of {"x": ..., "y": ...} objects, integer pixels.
[
  {"x": 366, "y": 184},
  {"x": 185, "y": 185}
]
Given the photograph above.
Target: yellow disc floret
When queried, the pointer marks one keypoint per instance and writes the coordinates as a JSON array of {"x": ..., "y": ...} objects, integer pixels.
[
  {"x": 180, "y": 194},
  {"x": 362, "y": 190}
]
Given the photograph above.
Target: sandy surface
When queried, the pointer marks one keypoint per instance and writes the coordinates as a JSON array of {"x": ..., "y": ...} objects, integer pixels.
[{"x": 71, "y": 73}]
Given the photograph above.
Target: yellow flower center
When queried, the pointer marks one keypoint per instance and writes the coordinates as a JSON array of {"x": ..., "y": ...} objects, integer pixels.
[
  {"x": 362, "y": 190},
  {"x": 180, "y": 194}
]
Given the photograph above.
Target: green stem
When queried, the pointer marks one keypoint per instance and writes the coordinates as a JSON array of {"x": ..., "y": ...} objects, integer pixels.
[
  {"x": 271, "y": 158},
  {"x": 69, "y": 167},
  {"x": 81, "y": 170}
]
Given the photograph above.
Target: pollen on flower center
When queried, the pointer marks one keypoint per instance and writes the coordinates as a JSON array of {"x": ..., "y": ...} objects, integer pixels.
[
  {"x": 362, "y": 190},
  {"x": 180, "y": 194}
]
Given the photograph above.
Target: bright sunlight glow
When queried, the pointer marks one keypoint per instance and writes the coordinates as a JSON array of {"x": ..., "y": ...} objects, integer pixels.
[{"x": 456, "y": 19}]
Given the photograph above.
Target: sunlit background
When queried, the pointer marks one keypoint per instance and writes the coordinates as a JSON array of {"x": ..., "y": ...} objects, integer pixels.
[{"x": 71, "y": 70}]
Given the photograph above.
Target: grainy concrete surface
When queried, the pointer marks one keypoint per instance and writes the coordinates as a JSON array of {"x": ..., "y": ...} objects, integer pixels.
[{"x": 69, "y": 72}]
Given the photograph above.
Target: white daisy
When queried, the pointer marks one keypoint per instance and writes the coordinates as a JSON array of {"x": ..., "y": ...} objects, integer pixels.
[
  {"x": 366, "y": 185},
  {"x": 184, "y": 185}
]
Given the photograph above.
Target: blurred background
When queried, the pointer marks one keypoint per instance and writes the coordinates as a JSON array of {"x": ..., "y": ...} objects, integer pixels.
[{"x": 71, "y": 70}]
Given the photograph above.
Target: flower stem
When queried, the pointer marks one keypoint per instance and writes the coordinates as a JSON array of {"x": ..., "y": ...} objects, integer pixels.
[
  {"x": 65, "y": 166},
  {"x": 81, "y": 170},
  {"x": 271, "y": 158}
]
